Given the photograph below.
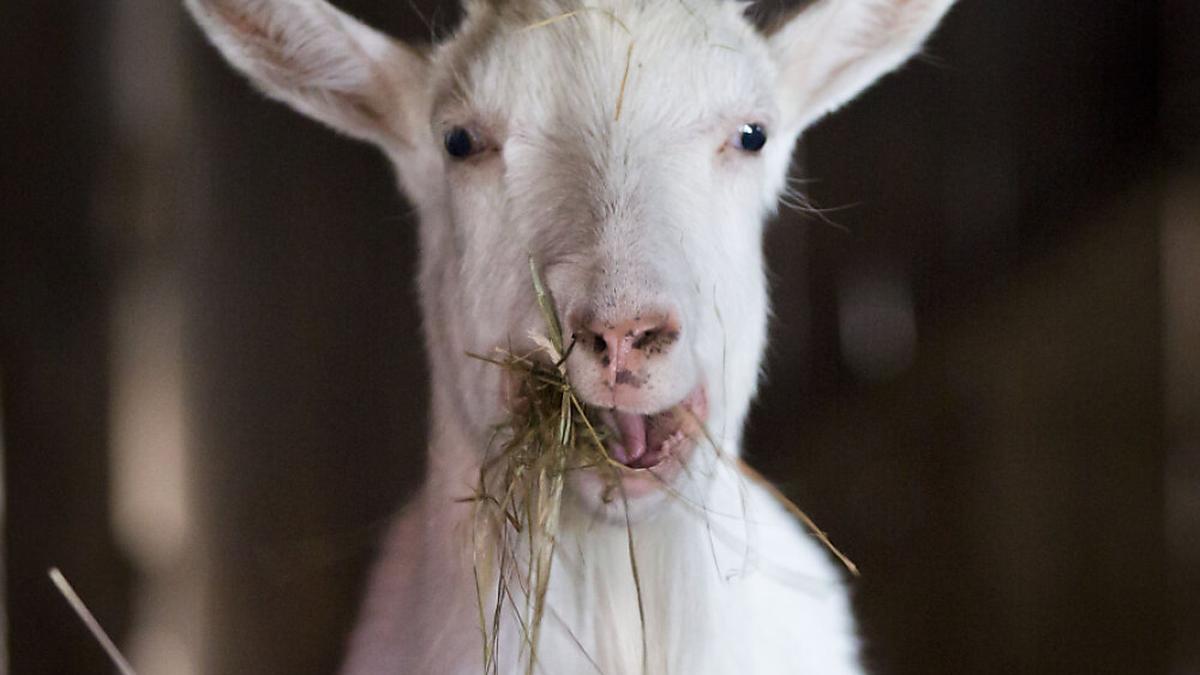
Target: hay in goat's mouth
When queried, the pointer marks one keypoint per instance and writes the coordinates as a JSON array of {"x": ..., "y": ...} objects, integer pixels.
[
  {"x": 549, "y": 432},
  {"x": 519, "y": 494}
]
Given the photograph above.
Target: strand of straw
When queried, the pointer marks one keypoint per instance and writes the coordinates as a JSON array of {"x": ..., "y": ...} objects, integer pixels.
[{"x": 85, "y": 615}]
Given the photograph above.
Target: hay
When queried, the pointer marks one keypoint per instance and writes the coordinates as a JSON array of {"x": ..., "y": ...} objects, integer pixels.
[
  {"x": 576, "y": 12},
  {"x": 624, "y": 82},
  {"x": 518, "y": 498},
  {"x": 89, "y": 620}
]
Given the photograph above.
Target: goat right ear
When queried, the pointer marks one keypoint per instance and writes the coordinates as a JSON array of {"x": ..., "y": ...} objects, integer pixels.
[
  {"x": 830, "y": 50},
  {"x": 323, "y": 63}
]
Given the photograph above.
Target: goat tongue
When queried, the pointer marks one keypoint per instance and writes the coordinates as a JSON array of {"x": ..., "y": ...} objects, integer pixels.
[{"x": 632, "y": 429}]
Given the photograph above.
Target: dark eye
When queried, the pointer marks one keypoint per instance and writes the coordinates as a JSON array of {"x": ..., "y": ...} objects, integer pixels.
[
  {"x": 460, "y": 144},
  {"x": 750, "y": 137}
]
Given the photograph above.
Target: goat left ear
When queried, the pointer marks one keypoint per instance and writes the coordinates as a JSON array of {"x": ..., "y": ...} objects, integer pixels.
[
  {"x": 321, "y": 62},
  {"x": 833, "y": 49}
]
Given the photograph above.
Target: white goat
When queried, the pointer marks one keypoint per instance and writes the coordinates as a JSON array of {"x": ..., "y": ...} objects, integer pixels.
[{"x": 633, "y": 148}]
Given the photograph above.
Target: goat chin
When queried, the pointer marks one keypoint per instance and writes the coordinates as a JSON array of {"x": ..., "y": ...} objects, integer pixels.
[{"x": 727, "y": 585}]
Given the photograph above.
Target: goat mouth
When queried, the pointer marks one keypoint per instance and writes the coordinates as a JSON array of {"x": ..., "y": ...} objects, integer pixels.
[{"x": 645, "y": 442}]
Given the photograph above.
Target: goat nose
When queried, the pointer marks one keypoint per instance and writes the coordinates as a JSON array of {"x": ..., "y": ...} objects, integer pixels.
[{"x": 622, "y": 348}]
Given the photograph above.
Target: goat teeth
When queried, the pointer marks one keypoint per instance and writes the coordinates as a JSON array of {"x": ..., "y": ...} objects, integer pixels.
[{"x": 672, "y": 443}]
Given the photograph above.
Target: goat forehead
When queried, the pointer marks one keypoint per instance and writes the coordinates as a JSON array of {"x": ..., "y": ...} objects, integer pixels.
[{"x": 538, "y": 64}]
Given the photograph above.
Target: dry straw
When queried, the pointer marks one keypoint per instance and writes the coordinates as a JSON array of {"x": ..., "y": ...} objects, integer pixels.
[
  {"x": 89, "y": 620},
  {"x": 519, "y": 495}
]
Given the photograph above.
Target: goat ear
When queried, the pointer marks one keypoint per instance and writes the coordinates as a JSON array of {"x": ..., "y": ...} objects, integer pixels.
[
  {"x": 321, "y": 62},
  {"x": 831, "y": 50}
]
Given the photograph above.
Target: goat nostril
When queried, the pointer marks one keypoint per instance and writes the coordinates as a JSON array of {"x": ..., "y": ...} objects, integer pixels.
[
  {"x": 645, "y": 338},
  {"x": 625, "y": 345}
]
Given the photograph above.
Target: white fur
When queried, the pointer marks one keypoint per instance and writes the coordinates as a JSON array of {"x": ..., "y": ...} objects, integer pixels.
[{"x": 609, "y": 162}]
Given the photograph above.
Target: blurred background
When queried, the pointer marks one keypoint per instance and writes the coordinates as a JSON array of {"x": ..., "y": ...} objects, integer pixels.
[{"x": 984, "y": 378}]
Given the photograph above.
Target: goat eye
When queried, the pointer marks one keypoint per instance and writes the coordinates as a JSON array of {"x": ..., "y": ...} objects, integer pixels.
[
  {"x": 750, "y": 137},
  {"x": 459, "y": 143}
]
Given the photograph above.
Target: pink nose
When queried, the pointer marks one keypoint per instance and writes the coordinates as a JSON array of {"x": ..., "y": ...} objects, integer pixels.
[{"x": 623, "y": 348}]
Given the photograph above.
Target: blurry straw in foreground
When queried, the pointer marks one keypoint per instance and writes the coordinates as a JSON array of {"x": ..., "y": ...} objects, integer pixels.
[{"x": 85, "y": 615}]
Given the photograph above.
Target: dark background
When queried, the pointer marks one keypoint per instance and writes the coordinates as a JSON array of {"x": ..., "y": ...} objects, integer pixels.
[{"x": 984, "y": 379}]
